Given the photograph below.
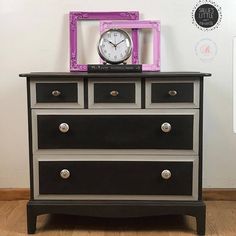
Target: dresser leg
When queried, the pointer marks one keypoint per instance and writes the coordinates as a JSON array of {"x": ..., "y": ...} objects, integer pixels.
[
  {"x": 31, "y": 220},
  {"x": 201, "y": 222}
]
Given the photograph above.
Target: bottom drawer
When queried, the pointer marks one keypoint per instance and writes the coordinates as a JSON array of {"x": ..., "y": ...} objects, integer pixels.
[{"x": 116, "y": 177}]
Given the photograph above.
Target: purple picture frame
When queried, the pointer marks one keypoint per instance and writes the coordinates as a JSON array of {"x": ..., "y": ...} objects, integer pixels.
[
  {"x": 76, "y": 16},
  {"x": 154, "y": 25}
]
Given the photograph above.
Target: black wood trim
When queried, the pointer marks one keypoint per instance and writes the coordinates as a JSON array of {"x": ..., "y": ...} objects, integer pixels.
[
  {"x": 143, "y": 93},
  {"x": 76, "y": 75},
  {"x": 30, "y": 139},
  {"x": 111, "y": 208},
  {"x": 115, "y": 209},
  {"x": 200, "y": 165},
  {"x": 85, "y": 94}
]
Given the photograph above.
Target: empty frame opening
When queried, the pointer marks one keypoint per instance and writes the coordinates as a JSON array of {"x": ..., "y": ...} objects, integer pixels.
[
  {"x": 145, "y": 46},
  {"x": 88, "y": 35}
]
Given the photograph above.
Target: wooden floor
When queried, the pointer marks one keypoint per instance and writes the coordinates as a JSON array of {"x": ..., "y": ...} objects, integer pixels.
[{"x": 221, "y": 220}]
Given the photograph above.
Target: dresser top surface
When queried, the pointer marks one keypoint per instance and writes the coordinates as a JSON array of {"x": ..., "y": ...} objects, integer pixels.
[{"x": 74, "y": 75}]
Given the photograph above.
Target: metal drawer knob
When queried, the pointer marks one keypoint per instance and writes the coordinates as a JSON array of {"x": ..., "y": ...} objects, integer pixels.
[
  {"x": 65, "y": 174},
  {"x": 56, "y": 93},
  {"x": 166, "y": 127},
  {"x": 63, "y": 127},
  {"x": 166, "y": 174},
  {"x": 172, "y": 93},
  {"x": 114, "y": 93}
]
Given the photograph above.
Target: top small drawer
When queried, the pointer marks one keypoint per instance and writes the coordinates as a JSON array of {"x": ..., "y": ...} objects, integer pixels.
[
  {"x": 114, "y": 94},
  {"x": 172, "y": 94},
  {"x": 56, "y": 94}
]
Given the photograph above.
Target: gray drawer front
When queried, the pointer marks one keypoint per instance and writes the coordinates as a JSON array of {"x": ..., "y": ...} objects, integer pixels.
[
  {"x": 115, "y": 132},
  {"x": 123, "y": 178},
  {"x": 56, "y": 92}
]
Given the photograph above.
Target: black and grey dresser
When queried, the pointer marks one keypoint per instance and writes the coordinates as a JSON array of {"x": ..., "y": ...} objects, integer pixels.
[{"x": 115, "y": 144}]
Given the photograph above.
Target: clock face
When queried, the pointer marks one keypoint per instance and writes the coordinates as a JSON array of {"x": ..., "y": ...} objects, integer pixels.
[{"x": 115, "y": 46}]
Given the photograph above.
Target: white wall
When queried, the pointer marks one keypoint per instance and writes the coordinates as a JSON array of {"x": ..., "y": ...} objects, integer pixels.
[{"x": 34, "y": 37}]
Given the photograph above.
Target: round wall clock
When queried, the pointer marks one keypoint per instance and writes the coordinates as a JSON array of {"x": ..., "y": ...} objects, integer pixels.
[{"x": 115, "y": 46}]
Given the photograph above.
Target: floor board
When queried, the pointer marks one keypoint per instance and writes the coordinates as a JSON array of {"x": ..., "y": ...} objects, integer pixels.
[{"x": 221, "y": 220}]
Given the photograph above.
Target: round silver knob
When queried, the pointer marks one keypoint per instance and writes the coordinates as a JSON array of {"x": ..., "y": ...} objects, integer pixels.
[
  {"x": 172, "y": 93},
  {"x": 65, "y": 174},
  {"x": 166, "y": 174},
  {"x": 166, "y": 127},
  {"x": 56, "y": 93},
  {"x": 114, "y": 93},
  {"x": 63, "y": 127}
]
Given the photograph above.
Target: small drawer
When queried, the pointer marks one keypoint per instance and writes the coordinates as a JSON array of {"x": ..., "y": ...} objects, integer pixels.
[
  {"x": 172, "y": 94},
  {"x": 56, "y": 94},
  {"x": 116, "y": 177},
  {"x": 114, "y": 94}
]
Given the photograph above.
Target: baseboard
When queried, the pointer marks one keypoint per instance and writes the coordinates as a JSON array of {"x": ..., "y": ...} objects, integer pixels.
[
  {"x": 9, "y": 194},
  {"x": 219, "y": 194},
  {"x": 209, "y": 194}
]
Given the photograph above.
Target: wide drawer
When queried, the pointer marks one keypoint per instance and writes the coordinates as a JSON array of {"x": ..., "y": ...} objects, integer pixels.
[
  {"x": 131, "y": 131},
  {"x": 114, "y": 94},
  {"x": 172, "y": 94},
  {"x": 57, "y": 94},
  {"x": 122, "y": 178}
]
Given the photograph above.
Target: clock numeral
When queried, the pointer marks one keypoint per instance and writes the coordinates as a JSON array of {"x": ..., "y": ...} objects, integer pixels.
[
  {"x": 109, "y": 55},
  {"x": 121, "y": 55},
  {"x": 108, "y": 35},
  {"x": 115, "y": 57},
  {"x": 105, "y": 51},
  {"x": 103, "y": 45},
  {"x": 115, "y": 34}
]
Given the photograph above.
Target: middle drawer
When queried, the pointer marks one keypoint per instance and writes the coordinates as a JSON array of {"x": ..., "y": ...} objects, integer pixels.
[
  {"x": 114, "y": 94},
  {"x": 159, "y": 130}
]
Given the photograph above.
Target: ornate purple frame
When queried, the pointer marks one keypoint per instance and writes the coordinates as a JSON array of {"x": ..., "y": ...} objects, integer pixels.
[
  {"x": 154, "y": 25},
  {"x": 80, "y": 16}
]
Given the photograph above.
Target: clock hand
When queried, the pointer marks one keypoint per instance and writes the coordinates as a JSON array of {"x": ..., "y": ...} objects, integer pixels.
[
  {"x": 110, "y": 42},
  {"x": 119, "y": 42}
]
